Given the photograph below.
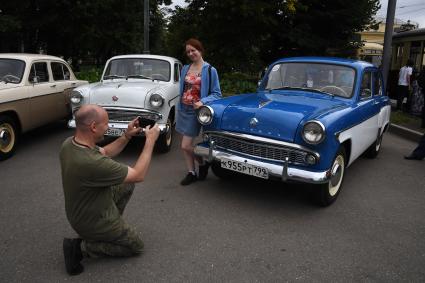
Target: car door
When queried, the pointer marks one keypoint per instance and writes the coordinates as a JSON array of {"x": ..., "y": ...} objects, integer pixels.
[
  {"x": 64, "y": 85},
  {"x": 381, "y": 101},
  {"x": 176, "y": 83},
  {"x": 368, "y": 112},
  {"x": 43, "y": 95}
]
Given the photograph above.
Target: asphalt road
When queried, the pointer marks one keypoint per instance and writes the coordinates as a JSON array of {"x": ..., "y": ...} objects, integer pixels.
[{"x": 245, "y": 230}]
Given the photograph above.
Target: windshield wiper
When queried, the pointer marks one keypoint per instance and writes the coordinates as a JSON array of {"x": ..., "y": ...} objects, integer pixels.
[
  {"x": 137, "y": 77},
  {"x": 301, "y": 88},
  {"x": 113, "y": 77}
]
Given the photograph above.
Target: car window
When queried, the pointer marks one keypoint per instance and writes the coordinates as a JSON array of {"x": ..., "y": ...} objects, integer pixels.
[
  {"x": 176, "y": 72},
  {"x": 138, "y": 68},
  {"x": 326, "y": 78},
  {"x": 60, "y": 71},
  {"x": 377, "y": 84},
  {"x": 39, "y": 73},
  {"x": 11, "y": 70},
  {"x": 366, "y": 85}
]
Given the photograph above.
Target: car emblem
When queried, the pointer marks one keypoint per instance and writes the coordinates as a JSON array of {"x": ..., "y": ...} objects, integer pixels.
[
  {"x": 264, "y": 103},
  {"x": 253, "y": 122},
  {"x": 114, "y": 98}
]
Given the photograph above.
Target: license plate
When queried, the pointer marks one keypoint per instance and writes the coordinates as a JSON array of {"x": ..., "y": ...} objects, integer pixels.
[
  {"x": 245, "y": 168},
  {"x": 115, "y": 132}
]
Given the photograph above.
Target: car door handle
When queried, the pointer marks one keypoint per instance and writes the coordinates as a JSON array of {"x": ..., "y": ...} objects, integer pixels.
[
  {"x": 73, "y": 84},
  {"x": 52, "y": 86}
]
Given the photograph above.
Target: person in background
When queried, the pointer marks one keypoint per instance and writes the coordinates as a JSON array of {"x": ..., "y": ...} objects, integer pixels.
[
  {"x": 419, "y": 152},
  {"x": 97, "y": 188},
  {"x": 421, "y": 84},
  {"x": 404, "y": 83},
  {"x": 199, "y": 85}
]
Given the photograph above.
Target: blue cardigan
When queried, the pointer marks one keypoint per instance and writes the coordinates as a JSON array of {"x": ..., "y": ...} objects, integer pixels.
[{"x": 205, "y": 81}]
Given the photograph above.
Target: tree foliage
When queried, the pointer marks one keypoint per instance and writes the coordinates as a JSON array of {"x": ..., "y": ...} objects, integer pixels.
[
  {"x": 94, "y": 29},
  {"x": 243, "y": 35},
  {"x": 239, "y": 35}
]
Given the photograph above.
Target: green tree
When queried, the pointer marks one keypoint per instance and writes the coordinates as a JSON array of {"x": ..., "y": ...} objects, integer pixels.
[
  {"x": 245, "y": 35},
  {"x": 93, "y": 30}
]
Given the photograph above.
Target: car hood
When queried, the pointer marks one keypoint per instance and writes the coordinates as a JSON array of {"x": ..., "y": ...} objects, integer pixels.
[
  {"x": 277, "y": 115},
  {"x": 123, "y": 93}
]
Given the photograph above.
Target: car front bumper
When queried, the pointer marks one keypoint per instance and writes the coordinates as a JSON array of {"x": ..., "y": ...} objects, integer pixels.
[
  {"x": 283, "y": 171},
  {"x": 121, "y": 126}
]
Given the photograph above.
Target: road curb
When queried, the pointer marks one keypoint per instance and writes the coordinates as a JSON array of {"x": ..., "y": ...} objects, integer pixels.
[{"x": 405, "y": 132}]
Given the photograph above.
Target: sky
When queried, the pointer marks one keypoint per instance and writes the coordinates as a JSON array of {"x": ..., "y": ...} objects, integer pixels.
[{"x": 413, "y": 10}]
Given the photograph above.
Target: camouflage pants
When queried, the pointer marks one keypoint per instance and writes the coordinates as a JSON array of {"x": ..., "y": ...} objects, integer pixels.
[{"x": 128, "y": 243}]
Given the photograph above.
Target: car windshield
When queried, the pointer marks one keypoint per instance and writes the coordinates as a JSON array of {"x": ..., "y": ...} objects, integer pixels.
[
  {"x": 319, "y": 77},
  {"x": 11, "y": 70},
  {"x": 138, "y": 68}
]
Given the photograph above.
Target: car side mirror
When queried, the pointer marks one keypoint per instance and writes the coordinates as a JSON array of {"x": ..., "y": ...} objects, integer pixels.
[
  {"x": 35, "y": 79},
  {"x": 365, "y": 92}
]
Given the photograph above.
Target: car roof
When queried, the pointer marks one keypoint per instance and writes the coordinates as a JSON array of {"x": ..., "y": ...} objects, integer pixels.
[
  {"x": 330, "y": 60},
  {"x": 29, "y": 57},
  {"x": 149, "y": 56}
]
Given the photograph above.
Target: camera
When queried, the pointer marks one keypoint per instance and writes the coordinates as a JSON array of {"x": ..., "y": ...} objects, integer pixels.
[{"x": 143, "y": 122}]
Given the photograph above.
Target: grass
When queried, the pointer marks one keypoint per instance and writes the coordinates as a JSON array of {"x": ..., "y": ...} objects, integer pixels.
[{"x": 406, "y": 120}]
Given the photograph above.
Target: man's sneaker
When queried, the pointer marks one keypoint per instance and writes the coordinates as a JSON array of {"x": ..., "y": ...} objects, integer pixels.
[
  {"x": 203, "y": 171},
  {"x": 189, "y": 179},
  {"x": 73, "y": 256}
]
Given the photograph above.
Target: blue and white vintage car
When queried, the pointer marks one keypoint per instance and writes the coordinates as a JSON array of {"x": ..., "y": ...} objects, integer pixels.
[{"x": 310, "y": 118}]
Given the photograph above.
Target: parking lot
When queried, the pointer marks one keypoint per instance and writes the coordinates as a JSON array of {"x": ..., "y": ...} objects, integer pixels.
[{"x": 244, "y": 230}]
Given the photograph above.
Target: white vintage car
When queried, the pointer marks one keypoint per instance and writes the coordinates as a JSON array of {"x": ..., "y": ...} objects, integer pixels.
[
  {"x": 34, "y": 90},
  {"x": 132, "y": 86}
]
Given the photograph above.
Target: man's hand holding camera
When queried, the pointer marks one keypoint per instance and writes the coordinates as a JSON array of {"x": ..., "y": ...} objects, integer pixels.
[{"x": 133, "y": 129}]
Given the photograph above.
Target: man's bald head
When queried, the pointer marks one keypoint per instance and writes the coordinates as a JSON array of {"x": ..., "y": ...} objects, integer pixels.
[{"x": 88, "y": 114}]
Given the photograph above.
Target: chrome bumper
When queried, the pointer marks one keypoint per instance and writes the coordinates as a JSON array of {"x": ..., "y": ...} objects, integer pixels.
[
  {"x": 285, "y": 172},
  {"x": 162, "y": 127}
]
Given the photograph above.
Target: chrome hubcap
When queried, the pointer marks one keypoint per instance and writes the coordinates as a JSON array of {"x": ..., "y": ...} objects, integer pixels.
[
  {"x": 7, "y": 138},
  {"x": 378, "y": 143},
  {"x": 337, "y": 173},
  {"x": 4, "y": 136},
  {"x": 168, "y": 132}
]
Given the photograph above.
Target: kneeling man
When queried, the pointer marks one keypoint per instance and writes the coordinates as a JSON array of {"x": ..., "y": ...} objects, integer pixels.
[{"x": 97, "y": 188}]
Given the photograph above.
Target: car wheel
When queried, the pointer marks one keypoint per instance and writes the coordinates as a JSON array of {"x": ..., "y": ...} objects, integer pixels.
[
  {"x": 165, "y": 140},
  {"x": 373, "y": 150},
  {"x": 327, "y": 193},
  {"x": 8, "y": 137},
  {"x": 220, "y": 172}
]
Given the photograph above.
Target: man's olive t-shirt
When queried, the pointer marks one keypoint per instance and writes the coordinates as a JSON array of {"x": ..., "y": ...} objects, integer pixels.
[{"x": 87, "y": 177}]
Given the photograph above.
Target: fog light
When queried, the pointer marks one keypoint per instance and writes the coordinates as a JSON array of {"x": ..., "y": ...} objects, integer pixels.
[{"x": 310, "y": 159}]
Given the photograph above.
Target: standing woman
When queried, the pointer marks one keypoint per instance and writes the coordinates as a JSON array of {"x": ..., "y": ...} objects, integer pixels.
[{"x": 198, "y": 85}]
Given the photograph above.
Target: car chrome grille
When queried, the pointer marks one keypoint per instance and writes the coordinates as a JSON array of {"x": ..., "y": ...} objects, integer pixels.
[
  {"x": 120, "y": 115},
  {"x": 259, "y": 149}
]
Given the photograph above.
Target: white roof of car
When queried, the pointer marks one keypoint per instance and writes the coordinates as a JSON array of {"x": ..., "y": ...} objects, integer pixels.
[
  {"x": 29, "y": 57},
  {"x": 149, "y": 56}
]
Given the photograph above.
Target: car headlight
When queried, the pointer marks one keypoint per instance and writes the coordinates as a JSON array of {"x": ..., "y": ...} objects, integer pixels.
[
  {"x": 313, "y": 132},
  {"x": 156, "y": 100},
  {"x": 76, "y": 97},
  {"x": 205, "y": 115}
]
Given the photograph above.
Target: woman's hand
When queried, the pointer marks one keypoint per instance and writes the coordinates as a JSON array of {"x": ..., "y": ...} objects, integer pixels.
[{"x": 197, "y": 105}]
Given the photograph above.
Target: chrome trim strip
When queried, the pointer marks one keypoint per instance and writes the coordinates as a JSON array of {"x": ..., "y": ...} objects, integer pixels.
[
  {"x": 130, "y": 109},
  {"x": 264, "y": 140},
  {"x": 284, "y": 172},
  {"x": 169, "y": 101},
  {"x": 162, "y": 127}
]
